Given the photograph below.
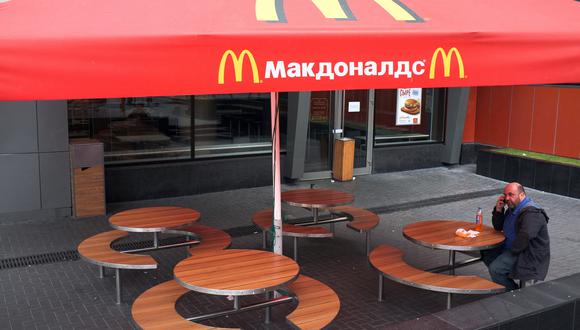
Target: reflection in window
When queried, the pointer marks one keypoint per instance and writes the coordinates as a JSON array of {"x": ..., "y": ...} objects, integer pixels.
[
  {"x": 430, "y": 128},
  {"x": 234, "y": 124},
  {"x": 132, "y": 129}
]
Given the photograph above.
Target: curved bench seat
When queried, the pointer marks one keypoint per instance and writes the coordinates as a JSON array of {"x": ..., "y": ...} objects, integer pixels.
[
  {"x": 155, "y": 309},
  {"x": 210, "y": 238},
  {"x": 362, "y": 221},
  {"x": 263, "y": 220},
  {"x": 97, "y": 250},
  {"x": 389, "y": 262},
  {"x": 318, "y": 304}
]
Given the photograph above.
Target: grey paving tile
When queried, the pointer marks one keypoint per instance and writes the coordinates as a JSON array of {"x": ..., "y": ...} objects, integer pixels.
[{"x": 71, "y": 296}]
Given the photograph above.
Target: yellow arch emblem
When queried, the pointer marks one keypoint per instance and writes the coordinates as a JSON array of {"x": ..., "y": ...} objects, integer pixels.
[
  {"x": 446, "y": 56},
  {"x": 238, "y": 62},
  {"x": 273, "y": 10}
]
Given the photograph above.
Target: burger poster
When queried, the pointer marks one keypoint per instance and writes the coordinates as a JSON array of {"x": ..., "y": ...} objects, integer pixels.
[{"x": 408, "y": 106}]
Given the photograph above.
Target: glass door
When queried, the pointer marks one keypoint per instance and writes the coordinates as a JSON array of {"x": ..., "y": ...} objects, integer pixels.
[
  {"x": 357, "y": 124},
  {"x": 335, "y": 115}
]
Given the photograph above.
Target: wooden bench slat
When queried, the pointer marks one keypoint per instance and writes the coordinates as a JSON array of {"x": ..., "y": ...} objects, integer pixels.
[
  {"x": 263, "y": 219},
  {"x": 317, "y": 306},
  {"x": 211, "y": 239},
  {"x": 97, "y": 249},
  {"x": 363, "y": 220},
  {"x": 389, "y": 261},
  {"x": 155, "y": 309}
]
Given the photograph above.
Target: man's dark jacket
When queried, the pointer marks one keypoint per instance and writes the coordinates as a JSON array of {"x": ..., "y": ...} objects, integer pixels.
[{"x": 532, "y": 243}]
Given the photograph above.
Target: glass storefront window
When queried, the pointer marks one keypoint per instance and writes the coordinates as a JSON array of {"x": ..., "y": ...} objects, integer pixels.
[
  {"x": 155, "y": 128},
  {"x": 166, "y": 128},
  {"x": 234, "y": 124},
  {"x": 430, "y": 128}
]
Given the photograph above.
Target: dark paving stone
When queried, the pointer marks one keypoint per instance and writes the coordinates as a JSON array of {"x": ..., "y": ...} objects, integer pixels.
[
  {"x": 558, "y": 318},
  {"x": 483, "y": 313},
  {"x": 512, "y": 169},
  {"x": 577, "y": 316},
  {"x": 483, "y": 163},
  {"x": 69, "y": 295},
  {"x": 421, "y": 323},
  {"x": 542, "y": 176},
  {"x": 560, "y": 180},
  {"x": 527, "y": 172},
  {"x": 497, "y": 166},
  {"x": 531, "y": 322},
  {"x": 575, "y": 182}
]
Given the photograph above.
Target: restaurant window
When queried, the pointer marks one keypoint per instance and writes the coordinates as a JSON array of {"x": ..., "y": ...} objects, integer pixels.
[
  {"x": 136, "y": 128},
  {"x": 144, "y": 129},
  {"x": 235, "y": 124},
  {"x": 409, "y": 115}
]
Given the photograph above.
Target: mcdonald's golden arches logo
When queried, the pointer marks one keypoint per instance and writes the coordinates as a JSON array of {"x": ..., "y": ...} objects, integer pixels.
[
  {"x": 446, "y": 57},
  {"x": 238, "y": 63}
]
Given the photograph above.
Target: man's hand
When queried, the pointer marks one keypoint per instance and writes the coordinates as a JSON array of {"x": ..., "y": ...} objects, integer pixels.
[{"x": 500, "y": 204}]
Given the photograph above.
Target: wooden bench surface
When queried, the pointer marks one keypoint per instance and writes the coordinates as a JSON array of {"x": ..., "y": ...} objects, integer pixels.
[
  {"x": 263, "y": 219},
  {"x": 97, "y": 249},
  {"x": 317, "y": 306},
  {"x": 362, "y": 220},
  {"x": 316, "y": 198},
  {"x": 389, "y": 261},
  {"x": 155, "y": 309},
  {"x": 210, "y": 238},
  {"x": 153, "y": 219}
]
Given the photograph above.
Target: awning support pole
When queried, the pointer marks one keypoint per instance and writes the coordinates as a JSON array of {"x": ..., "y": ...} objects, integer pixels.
[{"x": 277, "y": 221}]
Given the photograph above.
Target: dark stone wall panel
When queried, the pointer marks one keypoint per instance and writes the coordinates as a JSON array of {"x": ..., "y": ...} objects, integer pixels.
[
  {"x": 404, "y": 158},
  {"x": 129, "y": 183}
]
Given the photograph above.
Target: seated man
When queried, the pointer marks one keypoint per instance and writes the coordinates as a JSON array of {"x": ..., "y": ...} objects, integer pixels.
[{"x": 525, "y": 254}]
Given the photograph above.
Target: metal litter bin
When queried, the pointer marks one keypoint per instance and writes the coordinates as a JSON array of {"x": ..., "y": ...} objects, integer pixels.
[{"x": 88, "y": 177}]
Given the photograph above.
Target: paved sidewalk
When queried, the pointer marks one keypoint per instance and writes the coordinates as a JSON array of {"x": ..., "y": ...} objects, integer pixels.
[{"x": 69, "y": 294}]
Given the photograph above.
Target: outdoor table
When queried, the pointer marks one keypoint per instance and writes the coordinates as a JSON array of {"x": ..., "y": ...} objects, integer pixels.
[
  {"x": 153, "y": 220},
  {"x": 236, "y": 272},
  {"x": 440, "y": 234},
  {"x": 316, "y": 199}
]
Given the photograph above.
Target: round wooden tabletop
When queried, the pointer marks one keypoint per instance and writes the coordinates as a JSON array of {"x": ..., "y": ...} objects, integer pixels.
[
  {"x": 153, "y": 219},
  {"x": 316, "y": 198},
  {"x": 440, "y": 234},
  {"x": 236, "y": 272}
]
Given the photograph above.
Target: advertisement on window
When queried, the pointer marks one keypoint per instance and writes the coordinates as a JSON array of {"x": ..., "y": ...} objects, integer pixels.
[{"x": 408, "y": 106}]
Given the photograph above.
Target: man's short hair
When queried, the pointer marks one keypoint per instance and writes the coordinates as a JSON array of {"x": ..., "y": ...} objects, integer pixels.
[{"x": 520, "y": 189}]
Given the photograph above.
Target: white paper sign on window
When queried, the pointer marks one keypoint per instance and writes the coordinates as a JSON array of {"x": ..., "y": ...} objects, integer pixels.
[
  {"x": 353, "y": 106},
  {"x": 408, "y": 106}
]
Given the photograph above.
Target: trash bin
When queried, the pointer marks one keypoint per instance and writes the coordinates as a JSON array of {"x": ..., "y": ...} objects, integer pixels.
[
  {"x": 88, "y": 177},
  {"x": 343, "y": 160}
]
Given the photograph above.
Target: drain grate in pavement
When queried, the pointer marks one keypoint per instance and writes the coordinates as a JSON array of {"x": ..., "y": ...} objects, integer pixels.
[{"x": 39, "y": 259}]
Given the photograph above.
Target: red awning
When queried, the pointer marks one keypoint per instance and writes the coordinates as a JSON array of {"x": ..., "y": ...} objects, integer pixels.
[{"x": 103, "y": 48}]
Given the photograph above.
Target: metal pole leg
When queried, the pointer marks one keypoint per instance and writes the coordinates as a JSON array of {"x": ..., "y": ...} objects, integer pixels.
[
  {"x": 268, "y": 316},
  {"x": 295, "y": 248},
  {"x": 101, "y": 271},
  {"x": 315, "y": 214},
  {"x": 452, "y": 262},
  {"x": 236, "y": 302},
  {"x": 118, "y": 280},
  {"x": 156, "y": 240},
  {"x": 332, "y": 228},
  {"x": 368, "y": 243},
  {"x": 381, "y": 287},
  {"x": 264, "y": 239},
  {"x": 449, "y": 301}
]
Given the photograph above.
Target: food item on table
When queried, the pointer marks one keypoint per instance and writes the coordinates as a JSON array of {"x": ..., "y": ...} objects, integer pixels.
[
  {"x": 411, "y": 107},
  {"x": 466, "y": 233}
]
